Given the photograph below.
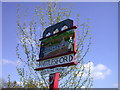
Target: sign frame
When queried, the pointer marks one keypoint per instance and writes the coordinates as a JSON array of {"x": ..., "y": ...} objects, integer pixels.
[{"x": 54, "y": 77}]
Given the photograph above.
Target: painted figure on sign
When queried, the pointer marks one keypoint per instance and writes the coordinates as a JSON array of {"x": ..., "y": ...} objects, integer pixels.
[{"x": 70, "y": 46}]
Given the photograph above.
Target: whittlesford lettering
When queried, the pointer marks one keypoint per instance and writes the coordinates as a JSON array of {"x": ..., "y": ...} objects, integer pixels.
[{"x": 56, "y": 61}]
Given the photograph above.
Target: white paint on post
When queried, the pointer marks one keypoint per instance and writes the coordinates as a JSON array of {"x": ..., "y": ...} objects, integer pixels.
[{"x": 53, "y": 70}]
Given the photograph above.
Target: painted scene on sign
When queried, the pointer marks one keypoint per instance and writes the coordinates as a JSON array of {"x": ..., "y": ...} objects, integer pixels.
[{"x": 58, "y": 44}]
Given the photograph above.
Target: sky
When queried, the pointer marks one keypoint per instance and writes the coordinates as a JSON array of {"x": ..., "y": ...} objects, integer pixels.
[{"x": 103, "y": 53}]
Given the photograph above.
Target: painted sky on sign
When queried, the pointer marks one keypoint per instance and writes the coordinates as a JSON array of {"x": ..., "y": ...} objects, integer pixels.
[{"x": 104, "y": 28}]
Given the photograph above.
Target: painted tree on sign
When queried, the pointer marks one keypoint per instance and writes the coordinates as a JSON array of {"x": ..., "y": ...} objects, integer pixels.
[{"x": 30, "y": 30}]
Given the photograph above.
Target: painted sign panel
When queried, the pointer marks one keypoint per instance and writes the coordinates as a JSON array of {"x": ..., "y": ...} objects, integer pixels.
[
  {"x": 61, "y": 61},
  {"x": 58, "y": 49},
  {"x": 58, "y": 44},
  {"x": 56, "y": 61},
  {"x": 53, "y": 70}
]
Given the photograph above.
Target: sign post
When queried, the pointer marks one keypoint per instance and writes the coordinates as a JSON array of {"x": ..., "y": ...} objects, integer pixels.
[
  {"x": 58, "y": 49},
  {"x": 53, "y": 80}
]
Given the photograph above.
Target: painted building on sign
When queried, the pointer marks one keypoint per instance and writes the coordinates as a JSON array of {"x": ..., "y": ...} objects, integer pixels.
[{"x": 58, "y": 44}]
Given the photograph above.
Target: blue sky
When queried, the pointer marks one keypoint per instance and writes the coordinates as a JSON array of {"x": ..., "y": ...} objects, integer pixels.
[{"x": 104, "y": 49}]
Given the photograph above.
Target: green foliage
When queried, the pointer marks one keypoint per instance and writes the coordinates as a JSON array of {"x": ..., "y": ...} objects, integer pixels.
[{"x": 27, "y": 49}]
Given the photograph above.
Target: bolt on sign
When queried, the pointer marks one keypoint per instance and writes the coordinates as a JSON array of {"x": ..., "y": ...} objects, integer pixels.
[{"x": 58, "y": 47}]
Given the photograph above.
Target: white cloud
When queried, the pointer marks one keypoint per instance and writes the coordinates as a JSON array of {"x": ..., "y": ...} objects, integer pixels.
[
  {"x": 18, "y": 62},
  {"x": 5, "y": 61},
  {"x": 98, "y": 71},
  {"x": 116, "y": 85}
]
